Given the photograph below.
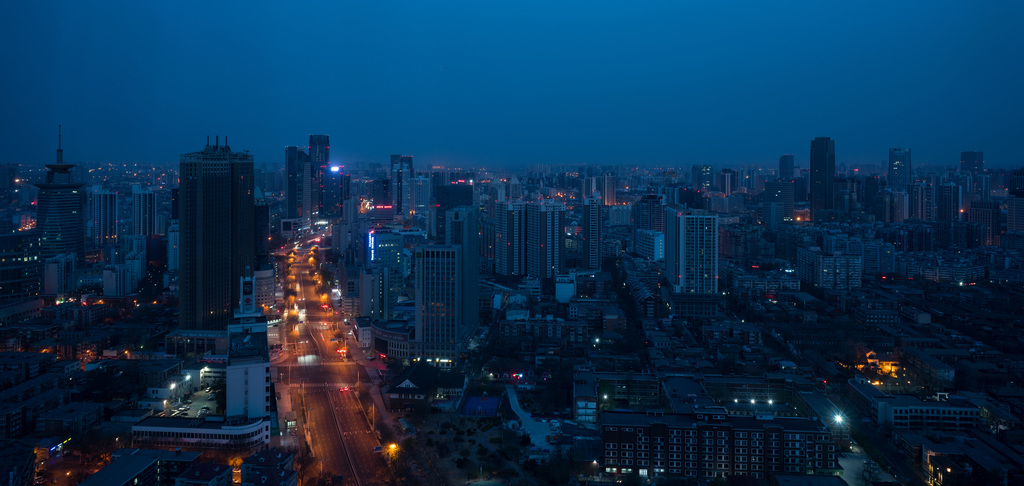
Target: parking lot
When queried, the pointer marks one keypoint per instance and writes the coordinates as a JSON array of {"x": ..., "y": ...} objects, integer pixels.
[{"x": 199, "y": 399}]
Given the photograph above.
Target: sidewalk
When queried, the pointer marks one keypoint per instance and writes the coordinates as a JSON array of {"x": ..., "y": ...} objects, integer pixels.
[{"x": 538, "y": 430}]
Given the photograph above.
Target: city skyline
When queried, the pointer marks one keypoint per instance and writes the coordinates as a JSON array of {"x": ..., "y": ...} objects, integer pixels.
[{"x": 468, "y": 75}]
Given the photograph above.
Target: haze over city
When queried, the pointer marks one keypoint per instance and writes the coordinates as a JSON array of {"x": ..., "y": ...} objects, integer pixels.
[{"x": 470, "y": 84}]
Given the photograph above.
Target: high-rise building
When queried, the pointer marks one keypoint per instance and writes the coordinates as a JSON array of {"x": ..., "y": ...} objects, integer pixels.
[
  {"x": 972, "y": 162},
  {"x": 786, "y": 167},
  {"x": 102, "y": 217},
  {"x": 701, "y": 177},
  {"x": 726, "y": 181},
  {"x": 510, "y": 239},
  {"x": 439, "y": 320},
  {"x": 319, "y": 159},
  {"x": 823, "y": 174},
  {"x": 592, "y": 257},
  {"x": 649, "y": 214},
  {"x": 545, "y": 240},
  {"x": 337, "y": 189},
  {"x": 1015, "y": 214},
  {"x": 988, "y": 214},
  {"x": 60, "y": 216},
  {"x": 900, "y": 171},
  {"x": 8, "y": 188},
  {"x": 608, "y": 188},
  {"x": 261, "y": 228},
  {"x": 401, "y": 175},
  {"x": 421, "y": 197},
  {"x": 463, "y": 231},
  {"x": 780, "y": 192},
  {"x": 143, "y": 212},
  {"x": 691, "y": 250},
  {"x": 922, "y": 201},
  {"x": 296, "y": 163},
  {"x": 448, "y": 196},
  {"x": 949, "y": 202},
  {"x": 21, "y": 272},
  {"x": 217, "y": 231}
]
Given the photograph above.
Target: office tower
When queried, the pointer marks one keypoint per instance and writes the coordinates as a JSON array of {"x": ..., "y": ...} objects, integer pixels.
[
  {"x": 173, "y": 247},
  {"x": 401, "y": 175},
  {"x": 102, "y": 217},
  {"x": 336, "y": 189},
  {"x": 143, "y": 211},
  {"x": 448, "y": 196},
  {"x": 786, "y": 167},
  {"x": 217, "y": 231},
  {"x": 900, "y": 171},
  {"x": 295, "y": 163},
  {"x": 174, "y": 204},
  {"x": 261, "y": 231},
  {"x": 510, "y": 239},
  {"x": 439, "y": 321},
  {"x": 59, "y": 274},
  {"x": 592, "y": 257},
  {"x": 987, "y": 214},
  {"x": 922, "y": 201},
  {"x": 691, "y": 250},
  {"x": 21, "y": 272},
  {"x": 650, "y": 244},
  {"x": 726, "y": 181},
  {"x": 375, "y": 292},
  {"x": 60, "y": 214},
  {"x": 972, "y": 162},
  {"x": 319, "y": 160},
  {"x": 545, "y": 240},
  {"x": 463, "y": 231},
  {"x": 515, "y": 188},
  {"x": 1015, "y": 214},
  {"x": 701, "y": 177},
  {"x": 949, "y": 202},
  {"x": 780, "y": 192},
  {"x": 247, "y": 375},
  {"x": 384, "y": 250},
  {"x": 823, "y": 173},
  {"x": 421, "y": 197},
  {"x": 608, "y": 187}
]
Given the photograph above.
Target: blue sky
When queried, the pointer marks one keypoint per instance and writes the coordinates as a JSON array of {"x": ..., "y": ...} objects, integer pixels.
[{"x": 514, "y": 83}]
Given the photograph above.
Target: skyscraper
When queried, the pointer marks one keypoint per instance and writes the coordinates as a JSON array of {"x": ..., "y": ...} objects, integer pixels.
[
  {"x": 60, "y": 216},
  {"x": 949, "y": 202},
  {"x": 922, "y": 201},
  {"x": 21, "y": 272},
  {"x": 592, "y": 257},
  {"x": 295, "y": 163},
  {"x": 972, "y": 162},
  {"x": 401, "y": 175},
  {"x": 216, "y": 242},
  {"x": 988, "y": 214},
  {"x": 691, "y": 250},
  {"x": 545, "y": 243},
  {"x": 439, "y": 320},
  {"x": 510, "y": 239},
  {"x": 463, "y": 230},
  {"x": 608, "y": 189},
  {"x": 786, "y": 167},
  {"x": 780, "y": 192},
  {"x": 823, "y": 173},
  {"x": 143, "y": 211},
  {"x": 448, "y": 196},
  {"x": 900, "y": 171},
  {"x": 102, "y": 217},
  {"x": 701, "y": 177},
  {"x": 319, "y": 159}
]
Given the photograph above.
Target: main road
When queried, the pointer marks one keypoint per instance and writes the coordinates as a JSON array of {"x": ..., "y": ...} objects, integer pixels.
[{"x": 333, "y": 396}]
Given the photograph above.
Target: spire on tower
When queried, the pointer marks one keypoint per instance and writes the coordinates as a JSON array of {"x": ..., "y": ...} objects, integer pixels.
[{"x": 60, "y": 149}]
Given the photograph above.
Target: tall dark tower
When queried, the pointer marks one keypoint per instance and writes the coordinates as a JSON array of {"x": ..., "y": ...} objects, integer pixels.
[
  {"x": 295, "y": 162},
  {"x": 973, "y": 162},
  {"x": 60, "y": 216},
  {"x": 592, "y": 257},
  {"x": 401, "y": 175},
  {"x": 823, "y": 174},
  {"x": 786, "y": 167},
  {"x": 899, "y": 169},
  {"x": 319, "y": 158},
  {"x": 217, "y": 233}
]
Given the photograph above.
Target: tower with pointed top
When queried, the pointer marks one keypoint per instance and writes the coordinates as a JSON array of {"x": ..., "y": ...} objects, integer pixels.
[
  {"x": 60, "y": 216},
  {"x": 216, "y": 234}
]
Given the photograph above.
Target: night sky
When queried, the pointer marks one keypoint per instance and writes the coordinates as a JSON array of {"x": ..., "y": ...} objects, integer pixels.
[{"x": 514, "y": 83}]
